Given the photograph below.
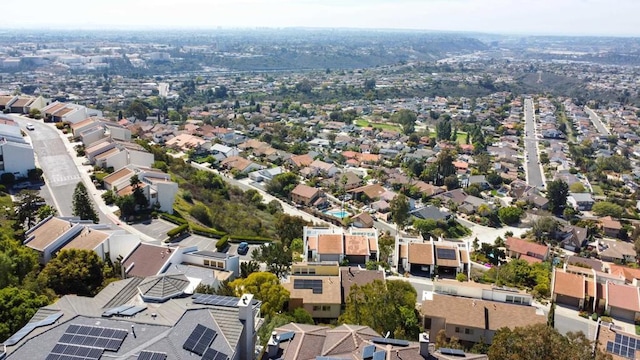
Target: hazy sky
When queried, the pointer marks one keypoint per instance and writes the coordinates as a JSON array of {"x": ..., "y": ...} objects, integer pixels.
[{"x": 574, "y": 17}]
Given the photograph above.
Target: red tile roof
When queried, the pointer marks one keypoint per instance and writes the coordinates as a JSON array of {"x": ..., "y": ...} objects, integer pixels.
[
  {"x": 623, "y": 296},
  {"x": 524, "y": 247}
]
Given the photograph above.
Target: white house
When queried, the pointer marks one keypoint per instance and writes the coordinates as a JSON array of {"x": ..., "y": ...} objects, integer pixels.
[
  {"x": 157, "y": 185},
  {"x": 16, "y": 154}
]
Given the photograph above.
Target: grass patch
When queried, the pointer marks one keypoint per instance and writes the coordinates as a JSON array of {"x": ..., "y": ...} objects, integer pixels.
[
  {"x": 597, "y": 190},
  {"x": 461, "y": 136},
  {"x": 381, "y": 126}
]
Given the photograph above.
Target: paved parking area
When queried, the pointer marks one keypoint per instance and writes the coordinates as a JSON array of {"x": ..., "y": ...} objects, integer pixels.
[
  {"x": 202, "y": 242},
  {"x": 567, "y": 320},
  {"x": 233, "y": 250},
  {"x": 156, "y": 228}
]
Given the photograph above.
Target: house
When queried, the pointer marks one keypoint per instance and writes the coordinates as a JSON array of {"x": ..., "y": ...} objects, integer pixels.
[
  {"x": 480, "y": 180},
  {"x": 306, "y": 195},
  {"x": 318, "y": 295},
  {"x": 323, "y": 168},
  {"x": 303, "y": 342},
  {"x": 623, "y": 301},
  {"x": 240, "y": 164},
  {"x": 429, "y": 258},
  {"x": 572, "y": 290},
  {"x": 84, "y": 125},
  {"x": 299, "y": 161},
  {"x": 368, "y": 192},
  {"x": 357, "y": 246},
  {"x": 614, "y": 250},
  {"x": 66, "y": 112},
  {"x": 152, "y": 318},
  {"x": 474, "y": 320},
  {"x": 347, "y": 180},
  {"x": 526, "y": 250},
  {"x": 51, "y": 234},
  {"x": 350, "y": 276},
  {"x": 16, "y": 154},
  {"x": 581, "y": 201},
  {"x": 265, "y": 175},
  {"x": 572, "y": 237},
  {"x": 185, "y": 142},
  {"x": 431, "y": 212},
  {"x": 610, "y": 227},
  {"x": 157, "y": 186},
  {"x": 362, "y": 220}
]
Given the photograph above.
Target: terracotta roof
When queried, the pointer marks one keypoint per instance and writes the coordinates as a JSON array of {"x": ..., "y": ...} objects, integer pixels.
[
  {"x": 471, "y": 312},
  {"x": 4, "y": 100},
  {"x": 47, "y": 232},
  {"x": 22, "y": 102},
  {"x": 524, "y": 247},
  {"x": 54, "y": 107},
  {"x": 115, "y": 176},
  {"x": 568, "y": 284},
  {"x": 420, "y": 253},
  {"x": 63, "y": 112},
  {"x": 107, "y": 153},
  {"x": 146, "y": 260},
  {"x": 99, "y": 147},
  {"x": 88, "y": 239},
  {"x": 629, "y": 273},
  {"x": 312, "y": 242},
  {"x": 305, "y": 191},
  {"x": 330, "y": 244},
  {"x": 82, "y": 123},
  {"x": 373, "y": 244},
  {"x": 623, "y": 296},
  {"x": 372, "y": 191},
  {"x": 530, "y": 259},
  {"x": 356, "y": 245},
  {"x": 364, "y": 218},
  {"x": 404, "y": 251},
  {"x": 236, "y": 162},
  {"x": 609, "y": 223},
  {"x": 301, "y": 160}
]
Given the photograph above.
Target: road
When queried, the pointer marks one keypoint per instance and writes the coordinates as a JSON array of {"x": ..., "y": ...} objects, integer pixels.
[
  {"x": 533, "y": 167},
  {"x": 60, "y": 171},
  {"x": 163, "y": 89},
  {"x": 597, "y": 122}
]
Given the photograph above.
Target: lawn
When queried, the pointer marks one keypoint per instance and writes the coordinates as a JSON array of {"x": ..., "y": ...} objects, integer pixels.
[
  {"x": 382, "y": 126},
  {"x": 461, "y": 136}
]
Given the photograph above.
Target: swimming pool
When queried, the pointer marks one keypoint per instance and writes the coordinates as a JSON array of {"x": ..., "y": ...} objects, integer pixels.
[{"x": 337, "y": 213}]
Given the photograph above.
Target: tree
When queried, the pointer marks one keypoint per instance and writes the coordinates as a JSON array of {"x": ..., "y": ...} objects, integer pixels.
[
  {"x": 541, "y": 342},
  {"x": 248, "y": 267},
  {"x": 406, "y": 119},
  {"x": 274, "y": 206},
  {"x": 557, "y": 192},
  {"x": 302, "y": 316},
  {"x": 17, "y": 306},
  {"x": 289, "y": 227},
  {"x": 384, "y": 307},
  {"x": 138, "y": 194},
  {"x": 26, "y": 207},
  {"x": 510, "y": 215},
  {"x": 127, "y": 205},
  {"x": 74, "y": 272},
  {"x": 400, "y": 207},
  {"x": 425, "y": 227},
  {"x": 265, "y": 287},
  {"x": 282, "y": 184},
  {"x": 277, "y": 258},
  {"x": 451, "y": 182},
  {"x": 45, "y": 211},
  {"x": 577, "y": 187},
  {"x": 385, "y": 245},
  {"x": 138, "y": 109},
  {"x": 605, "y": 208},
  {"x": 443, "y": 130},
  {"x": 544, "y": 228},
  {"x": 82, "y": 204},
  {"x": 7, "y": 179}
]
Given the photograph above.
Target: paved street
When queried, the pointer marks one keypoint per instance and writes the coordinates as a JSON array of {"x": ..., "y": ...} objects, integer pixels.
[
  {"x": 532, "y": 161},
  {"x": 596, "y": 121}
]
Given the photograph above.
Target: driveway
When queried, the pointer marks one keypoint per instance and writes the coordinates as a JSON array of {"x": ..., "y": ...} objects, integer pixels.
[{"x": 567, "y": 320}]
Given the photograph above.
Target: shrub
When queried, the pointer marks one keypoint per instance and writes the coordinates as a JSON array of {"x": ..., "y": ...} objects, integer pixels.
[
  {"x": 173, "y": 219},
  {"x": 109, "y": 197},
  {"x": 249, "y": 239},
  {"x": 462, "y": 277},
  {"x": 178, "y": 230},
  {"x": 212, "y": 233},
  {"x": 594, "y": 316},
  {"x": 223, "y": 243},
  {"x": 606, "y": 319},
  {"x": 201, "y": 213}
]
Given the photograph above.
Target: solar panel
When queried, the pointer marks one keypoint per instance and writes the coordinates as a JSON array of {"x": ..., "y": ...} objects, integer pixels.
[
  {"x": 379, "y": 355},
  {"x": 116, "y": 310},
  {"x": 452, "y": 352},
  {"x": 312, "y": 284},
  {"x": 386, "y": 341},
  {"x": 74, "y": 352},
  {"x": 132, "y": 311},
  {"x": 200, "y": 339},
  {"x": 445, "y": 254},
  {"x": 624, "y": 346},
  {"x": 94, "y": 336},
  {"x": 286, "y": 336},
  {"x": 25, "y": 330},
  {"x": 367, "y": 351},
  {"x": 212, "y": 354},
  {"x": 152, "y": 355},
  {"x": 206, "y": 299}
]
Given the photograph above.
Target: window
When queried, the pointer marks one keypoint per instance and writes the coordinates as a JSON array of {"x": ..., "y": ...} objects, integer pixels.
[
  {"x": 457, "y": 329},
  {"x": 316, "y": 308},
  {"x": 326, "y": 307},
  {"x": 427, "y": 323},
  {"x": 515, "y": 299},
  {"x": 311, "y": 271},
  {"x": 468, "y": 331}
]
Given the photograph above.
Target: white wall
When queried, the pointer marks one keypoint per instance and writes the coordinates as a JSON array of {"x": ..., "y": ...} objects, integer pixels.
[
  {"x": 92, "y": 136},
  {"x": 117, "y": 161},
  {"x": 140, "y": 158},
  {"x": 59, "y": 242},
  {"x": 120, "y": 133},
  {"x": 120, "y": 244},
  {"x": 18, "y": 158},
  {"x": 166, "y": 195}
]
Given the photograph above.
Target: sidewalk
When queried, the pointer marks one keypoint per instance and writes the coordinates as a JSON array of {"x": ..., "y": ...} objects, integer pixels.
[{"x": 96, "y": 194}]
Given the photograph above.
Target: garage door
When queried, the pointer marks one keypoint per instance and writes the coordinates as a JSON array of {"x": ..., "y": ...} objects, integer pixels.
[
  {"x": 568, "y": 301},
  {"x": 622, "y": 314}
]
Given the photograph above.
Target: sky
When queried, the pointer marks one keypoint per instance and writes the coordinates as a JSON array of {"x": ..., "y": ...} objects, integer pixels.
[{"x": 534, "y": 17}]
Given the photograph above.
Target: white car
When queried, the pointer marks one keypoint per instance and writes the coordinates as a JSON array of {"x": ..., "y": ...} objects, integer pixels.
[{"x": 30, "y": 127}]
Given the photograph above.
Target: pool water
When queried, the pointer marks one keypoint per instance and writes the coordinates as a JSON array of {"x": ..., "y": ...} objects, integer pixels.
[{"x": 337, "y": 213}]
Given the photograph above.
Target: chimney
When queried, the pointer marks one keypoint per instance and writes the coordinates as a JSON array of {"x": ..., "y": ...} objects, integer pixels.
[
  {"x": 248, "y": 337},
  {"x": 424, "y": 345},
  {"x": 273, "y": 346}
]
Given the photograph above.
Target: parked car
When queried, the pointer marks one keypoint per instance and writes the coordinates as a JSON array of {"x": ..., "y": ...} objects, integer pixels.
[
  {"x": 30, "y": 127},
  {"x": 243, "y": 248}
]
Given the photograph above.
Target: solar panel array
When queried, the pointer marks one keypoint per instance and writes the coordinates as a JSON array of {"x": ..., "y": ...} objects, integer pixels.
[
  {"x": 74, "y": 352},
  {"x": 94, "y": 336},
  {"x": 286, "y": 336},
  {"x": 212, "y": 354},
  {"x": 624, "y": 346},
  {"x": 30, "y": 326},
  {"x": 380, "y": 355},
  {"x": 387, "y": 341},
  {"x": 206, "y": 299},
  {"x": 367, "y": 352},
  {"x": 152, "y": 355},
  {"x": 200, "y": 339},
  {"x": 452, "y": 352},
  {"x": 445, "y": 254},
  {"x": 314, "y": 285}
]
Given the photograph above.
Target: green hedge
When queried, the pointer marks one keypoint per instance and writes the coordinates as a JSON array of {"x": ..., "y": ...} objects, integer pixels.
[
  {"x": 234, "y": 239},
  {"x": 178, "y": 230},
  {"x": 222, "y": 243},
  {"x": 173, "y": 219},
  {"x": 212, "y": 233}
]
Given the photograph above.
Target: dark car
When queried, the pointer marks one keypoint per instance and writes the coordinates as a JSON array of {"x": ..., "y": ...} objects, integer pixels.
[{"x": 243, "y": 248}]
